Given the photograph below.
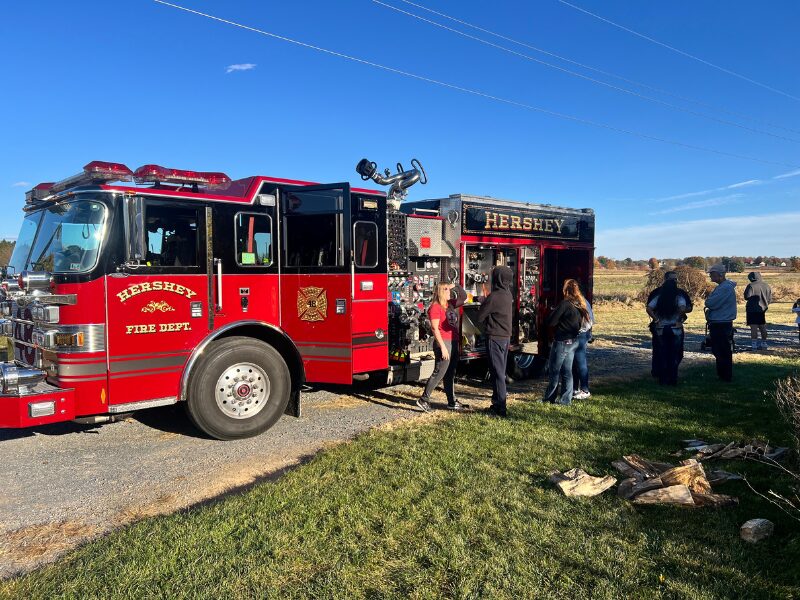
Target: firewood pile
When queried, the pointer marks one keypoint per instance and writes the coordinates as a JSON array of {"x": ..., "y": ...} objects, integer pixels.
[
  {"x": 687, "y": 484},
  {"x": 754, "y": 449}
]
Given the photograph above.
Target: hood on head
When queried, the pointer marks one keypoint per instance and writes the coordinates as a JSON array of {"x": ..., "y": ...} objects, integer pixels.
[
  {"x": 754, "y": 276},
  {"x": 502, "y": 278}
]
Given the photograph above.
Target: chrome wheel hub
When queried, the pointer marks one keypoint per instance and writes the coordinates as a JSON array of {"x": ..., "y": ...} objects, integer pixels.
[{"x": 242, "y": 391}]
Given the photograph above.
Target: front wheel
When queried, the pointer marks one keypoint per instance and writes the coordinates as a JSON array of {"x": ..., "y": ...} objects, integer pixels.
[{"x": 238, "y": 389}]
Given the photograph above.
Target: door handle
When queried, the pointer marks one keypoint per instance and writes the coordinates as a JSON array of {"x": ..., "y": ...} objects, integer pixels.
[{"x": 218, "y": 263}]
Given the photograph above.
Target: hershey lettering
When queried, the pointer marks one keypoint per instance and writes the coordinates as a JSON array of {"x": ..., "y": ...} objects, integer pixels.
[
  {"x": 155, "y": 286},
  {"x": 501, "y": 222}
]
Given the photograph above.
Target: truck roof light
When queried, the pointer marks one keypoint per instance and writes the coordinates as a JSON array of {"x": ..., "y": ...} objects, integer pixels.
[
  {"x": 38, "y": 192},
  {"x": 159, "y": 174},
  {"x": 94, "y": 172}
]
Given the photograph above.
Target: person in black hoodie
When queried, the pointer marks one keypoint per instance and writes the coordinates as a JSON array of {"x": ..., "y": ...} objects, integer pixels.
[
  {"x": 494, "y": 318},
  {"x": 566, "y": 320},
  {"x": 668, "y": 276}
]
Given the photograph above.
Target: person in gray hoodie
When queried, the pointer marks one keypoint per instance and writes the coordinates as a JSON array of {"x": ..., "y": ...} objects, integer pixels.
[
  {"x": 758, "y": 295},
  {"x": 720, "y": 314}
]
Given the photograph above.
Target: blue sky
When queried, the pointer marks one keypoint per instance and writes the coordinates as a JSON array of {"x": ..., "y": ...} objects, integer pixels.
[{"x": 139, "y": 82}]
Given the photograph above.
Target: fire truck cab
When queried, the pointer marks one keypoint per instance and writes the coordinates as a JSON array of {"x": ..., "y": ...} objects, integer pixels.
[{"x": 129, "y": 290}]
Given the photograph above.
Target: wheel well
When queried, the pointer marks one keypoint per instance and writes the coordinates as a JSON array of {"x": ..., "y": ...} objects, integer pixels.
[{"x": 277, "y": 340}]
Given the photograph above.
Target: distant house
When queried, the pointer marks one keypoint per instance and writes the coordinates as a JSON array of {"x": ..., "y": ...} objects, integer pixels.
[
  {"x": 762, "y": 264},
  {"x": 783, "y": 264}
]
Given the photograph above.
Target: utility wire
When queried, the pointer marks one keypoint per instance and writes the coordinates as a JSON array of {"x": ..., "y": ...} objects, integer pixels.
[
  {"x": 681, "y": 52},
  {"x": 477, "y": 92},
  {"x": 587, "y": 78},
  {"x": 601, "y": 71}
]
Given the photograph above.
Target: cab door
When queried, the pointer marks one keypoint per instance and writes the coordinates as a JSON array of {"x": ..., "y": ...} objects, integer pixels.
[
  {"x": 158, "y": 310},
  {"x": 370, "y": 284},
  {"x": 316, "y": 278}
]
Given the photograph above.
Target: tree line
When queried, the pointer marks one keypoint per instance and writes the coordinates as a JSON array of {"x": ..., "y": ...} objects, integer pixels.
[{"x": 734, "y": 264}]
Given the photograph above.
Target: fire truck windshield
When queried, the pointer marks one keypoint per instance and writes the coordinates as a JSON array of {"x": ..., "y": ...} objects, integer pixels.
[{"x": 62, "y": 238}]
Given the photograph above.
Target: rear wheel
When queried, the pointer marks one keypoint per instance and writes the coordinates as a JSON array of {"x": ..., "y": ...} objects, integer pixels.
[{"x": 238, "y": 389}]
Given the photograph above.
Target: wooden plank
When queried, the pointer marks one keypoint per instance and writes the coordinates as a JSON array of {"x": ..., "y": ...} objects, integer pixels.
[
  {"x": 577, "y": 482},
  {"x": 690, "y": 474},
  {"x": 626, "y": 469},
  {"x": 679, "y": 495},
  {"x": 642, "y": 465},
  {"x": 714, "y": 500}
]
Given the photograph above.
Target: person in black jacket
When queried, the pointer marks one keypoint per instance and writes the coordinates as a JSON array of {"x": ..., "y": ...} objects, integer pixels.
[
  {"x": 668, "y": 276},
  {"x": 494, "y": 318},
  {"x": 566, "y": 320}
]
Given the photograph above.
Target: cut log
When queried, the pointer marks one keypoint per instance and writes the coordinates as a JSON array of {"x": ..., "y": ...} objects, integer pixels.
[
  {"x": 714, "y": 500},
  {"x": 577, "y": 482},
  {"x": 642, "y": 465},
  {"x": 756, "y": 530},
  {"x": 675, "y": 494},
  {"x": 624, "y": 490},
  {"x": 706, "y": 449},
  {"x": 718, "y": 477},
  {"x": 719, "y": 452},
  {"x": 626, "y": 469},
  {"x": 691, "y": 475}
]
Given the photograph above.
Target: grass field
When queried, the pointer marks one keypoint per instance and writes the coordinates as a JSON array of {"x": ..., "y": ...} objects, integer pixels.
[{"x": 461, "y": 507}]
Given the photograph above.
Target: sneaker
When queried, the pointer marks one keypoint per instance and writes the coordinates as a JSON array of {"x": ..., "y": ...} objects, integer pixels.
[
  {"x": 423, "y": 405},
  {"x": 580, "y": 395},
  {"x": 494, "y": 411},
  {"x": 457, "y": 406}
]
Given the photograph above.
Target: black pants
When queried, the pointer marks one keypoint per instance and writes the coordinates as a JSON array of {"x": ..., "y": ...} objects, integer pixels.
[
  {"x": 654, "y": 368},
  {"x": 444, "y": 370},
  {"x": 670, "y": 352},
  {"x": 721, "y": 333},
  {"x": 497, "y": 348}
]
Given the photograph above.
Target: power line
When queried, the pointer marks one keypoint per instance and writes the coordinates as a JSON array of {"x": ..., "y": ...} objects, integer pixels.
[
  {"x": 587, "y": 78},
  {"x": 477, "y": 92},
  {"x": 681, "y": 52},
  {"x": 601, "y": 71}
]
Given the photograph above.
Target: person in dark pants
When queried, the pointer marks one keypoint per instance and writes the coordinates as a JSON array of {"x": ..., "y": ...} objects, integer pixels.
[
  {"x": 757, "y": 296},
  {"x": 720, "y": 314},
  {"x": 566, "y": 320},
  {"x": 667, "y": 309},
  {"x": 668, "y": 276},
  {"x": 494, "y": 318},
  {"x": 444, "y": 323}
]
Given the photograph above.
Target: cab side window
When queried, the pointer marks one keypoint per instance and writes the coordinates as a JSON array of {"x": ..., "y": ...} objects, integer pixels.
[
  {"x": 313, "y": 227},
  {"x": 172, "y": 236},
  {"x": 253, "y": 239}
]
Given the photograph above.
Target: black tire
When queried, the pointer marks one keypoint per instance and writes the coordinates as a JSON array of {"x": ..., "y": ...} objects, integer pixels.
[
  {"x": 220, "y": 358},
  {"x": 524, "y": 366}
]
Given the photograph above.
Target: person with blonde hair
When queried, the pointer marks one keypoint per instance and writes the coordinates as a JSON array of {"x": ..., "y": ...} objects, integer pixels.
[
  {"x": 443, "y": 316},
  {"x": 565, "y": 321}
]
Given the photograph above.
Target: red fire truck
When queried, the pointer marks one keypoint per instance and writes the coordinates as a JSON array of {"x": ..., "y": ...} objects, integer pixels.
[{"x": 129, "y": 290}]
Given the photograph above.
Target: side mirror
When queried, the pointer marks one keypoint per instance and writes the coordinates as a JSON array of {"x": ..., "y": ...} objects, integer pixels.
[{"x": 135, "y": 245}]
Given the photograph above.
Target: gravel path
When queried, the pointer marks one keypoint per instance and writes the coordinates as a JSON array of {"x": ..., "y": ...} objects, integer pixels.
[{"x": 64, "y": 484}]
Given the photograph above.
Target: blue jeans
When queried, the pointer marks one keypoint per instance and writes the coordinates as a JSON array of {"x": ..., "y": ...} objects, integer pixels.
[
  {"x": 580, "y": 366},
  {"x": 559, "y": 366}
]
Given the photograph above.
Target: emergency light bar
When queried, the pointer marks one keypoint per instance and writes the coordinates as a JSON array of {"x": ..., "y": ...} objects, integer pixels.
[
  {"x": 159, "y": 174},
  {"x": 38, "y": 192},
  {"x": 96, "y": 171}
]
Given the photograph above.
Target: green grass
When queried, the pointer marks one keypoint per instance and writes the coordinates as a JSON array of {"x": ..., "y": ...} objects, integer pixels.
[{"x": 461, "y": 507}]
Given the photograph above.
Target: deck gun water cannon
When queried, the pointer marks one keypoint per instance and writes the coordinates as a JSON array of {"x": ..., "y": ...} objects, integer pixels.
[{"x": 399, "y": 182}]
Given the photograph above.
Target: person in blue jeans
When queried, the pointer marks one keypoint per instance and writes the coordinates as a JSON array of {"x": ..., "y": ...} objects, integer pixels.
[
  {"x": 580, "y": 364},
  {"x": 565, "y": 320}
]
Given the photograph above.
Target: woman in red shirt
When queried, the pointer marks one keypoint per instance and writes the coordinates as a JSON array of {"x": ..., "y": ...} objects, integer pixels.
[{"x": 444, "y": 323}]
